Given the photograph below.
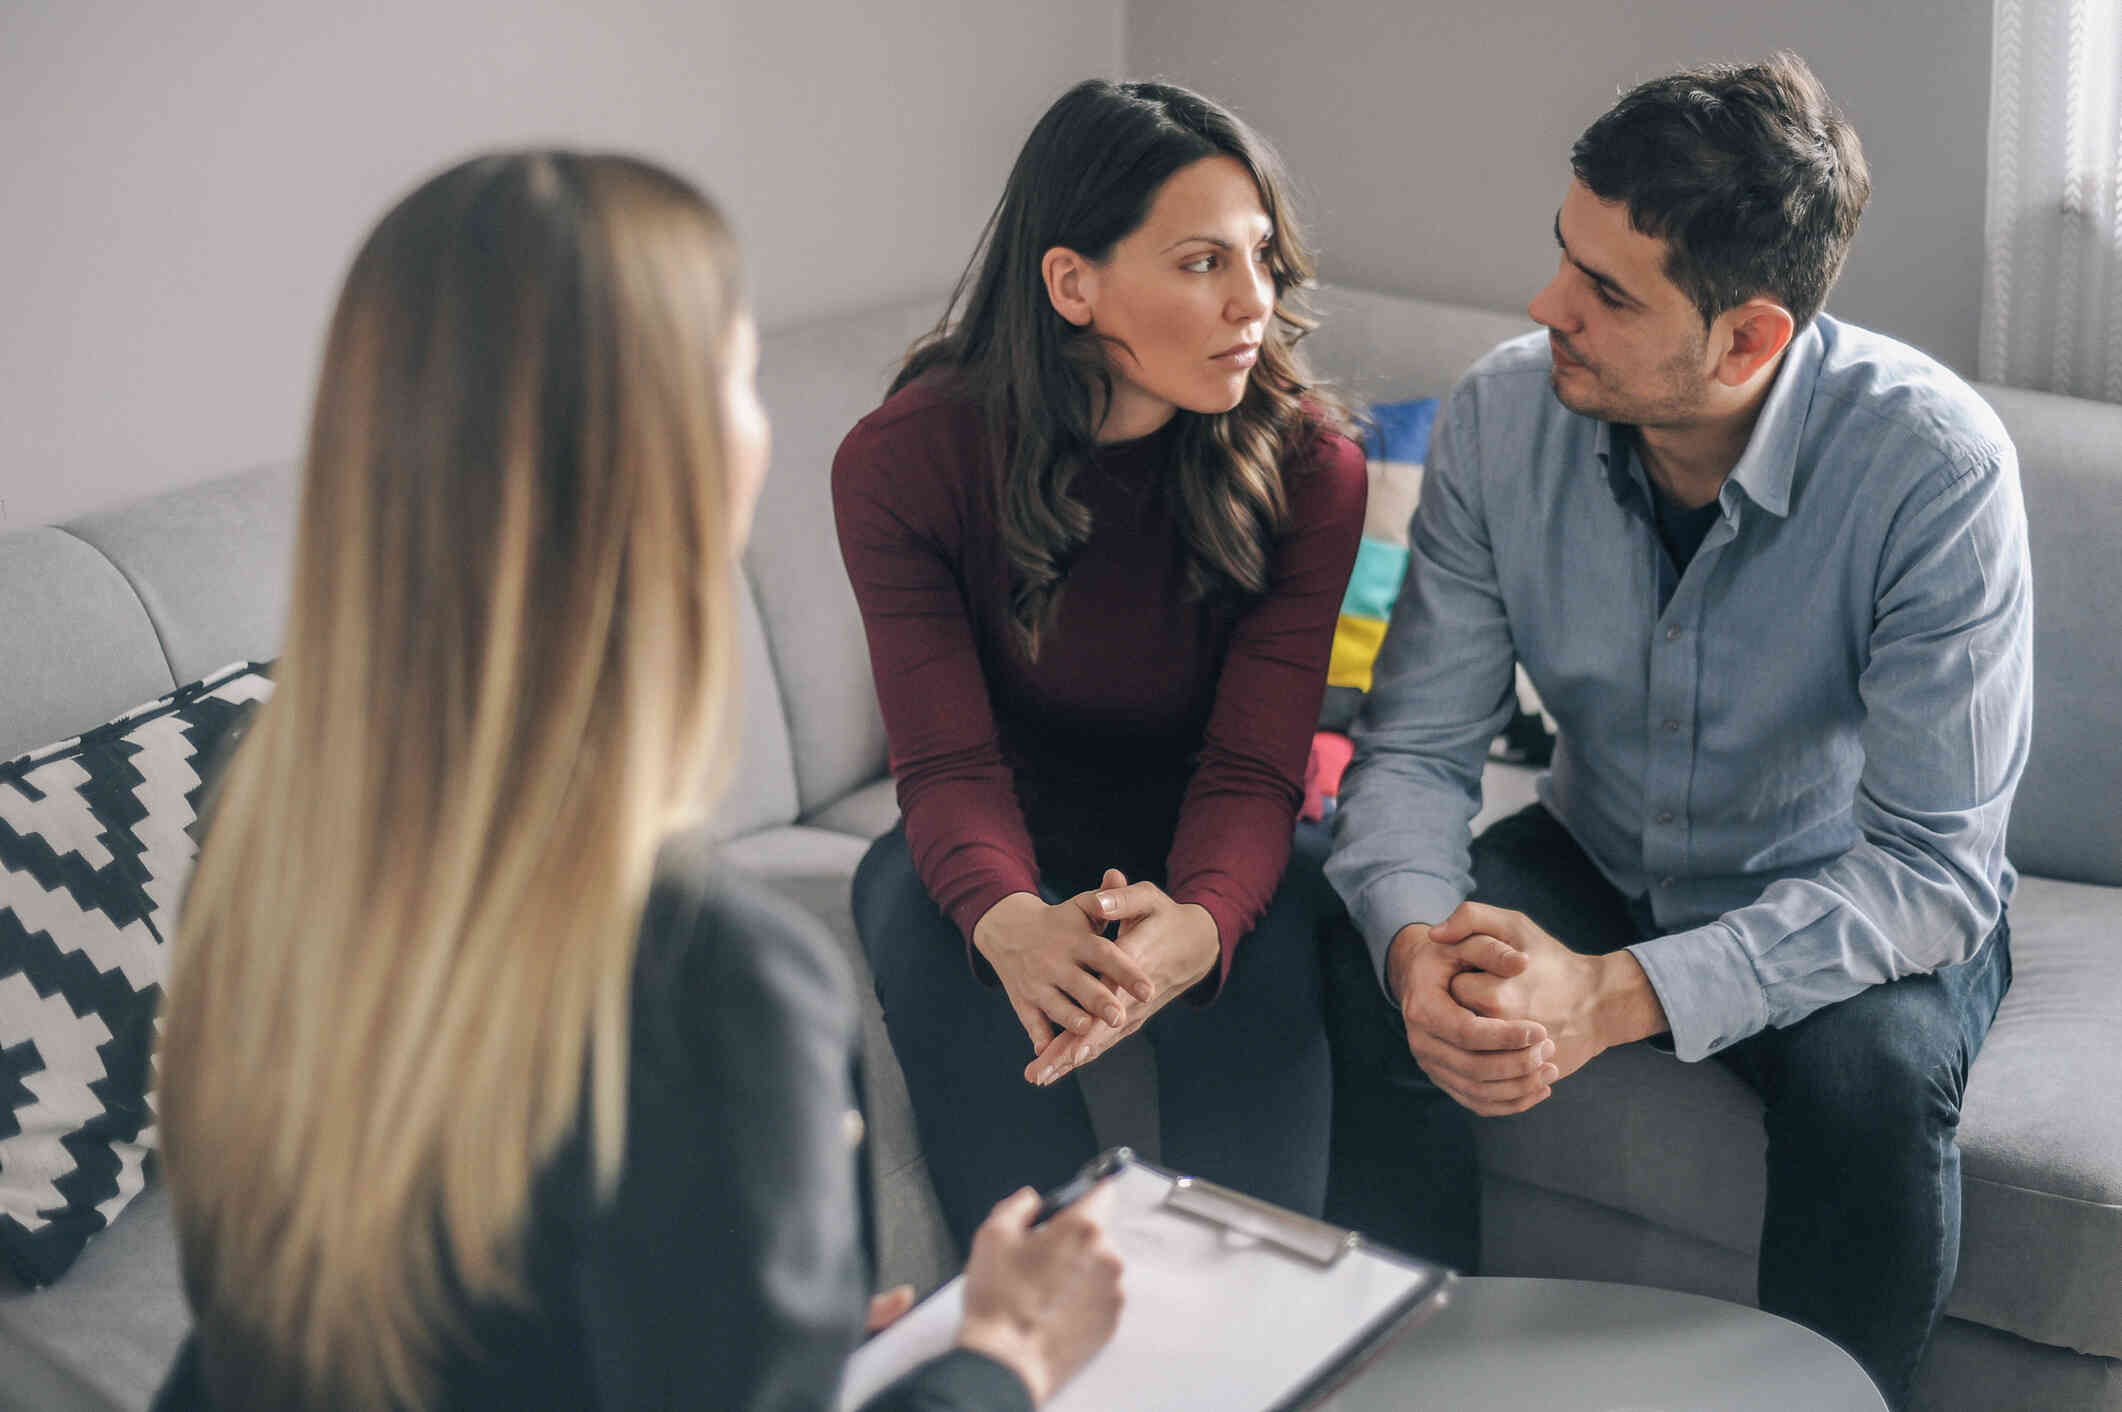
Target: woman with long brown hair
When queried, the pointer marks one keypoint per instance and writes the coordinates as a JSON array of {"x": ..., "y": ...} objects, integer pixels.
[
  {"x": 1100, "y": 533},
  {"x": 481, "y": 1086}
]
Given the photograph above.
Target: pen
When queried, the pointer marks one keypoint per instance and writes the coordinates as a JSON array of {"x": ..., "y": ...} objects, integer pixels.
[{"x": 1053, "y": 1203}]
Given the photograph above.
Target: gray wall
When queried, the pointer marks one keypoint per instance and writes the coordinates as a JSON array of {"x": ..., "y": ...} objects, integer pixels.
[
  {"x": 1432, "y": 138},
  {"x": 184, "y": 183}
]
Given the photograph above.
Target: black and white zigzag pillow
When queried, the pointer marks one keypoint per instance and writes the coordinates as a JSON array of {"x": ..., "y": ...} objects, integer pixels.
[{"x": 95, "y": 847}]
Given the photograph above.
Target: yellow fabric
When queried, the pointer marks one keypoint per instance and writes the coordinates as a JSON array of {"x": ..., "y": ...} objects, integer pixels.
[{"x": 1355, "y": 648}]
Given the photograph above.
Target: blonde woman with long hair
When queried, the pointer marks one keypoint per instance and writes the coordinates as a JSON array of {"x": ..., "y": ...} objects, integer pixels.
[{"x": 481, "y": 1086}]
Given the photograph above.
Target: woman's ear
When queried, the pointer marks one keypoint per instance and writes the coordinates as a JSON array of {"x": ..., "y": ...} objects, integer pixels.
[{"x": 1071, "y": 284}]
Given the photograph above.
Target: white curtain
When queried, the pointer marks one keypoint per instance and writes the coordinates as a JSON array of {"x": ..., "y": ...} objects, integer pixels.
[{"x": 2052, "y": 293}]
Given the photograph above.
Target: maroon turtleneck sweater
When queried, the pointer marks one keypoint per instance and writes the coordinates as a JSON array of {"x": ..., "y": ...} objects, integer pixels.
[{"x": 1154, "y": 734}]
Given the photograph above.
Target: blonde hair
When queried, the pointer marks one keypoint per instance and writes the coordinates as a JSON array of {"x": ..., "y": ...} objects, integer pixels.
[{"x": 403, "y": 970}]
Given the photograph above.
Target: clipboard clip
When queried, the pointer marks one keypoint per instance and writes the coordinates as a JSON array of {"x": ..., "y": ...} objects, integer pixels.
[{"x": 1313, "y": 1241}]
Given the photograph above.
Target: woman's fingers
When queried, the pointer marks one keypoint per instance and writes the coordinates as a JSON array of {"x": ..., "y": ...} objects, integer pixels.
[
  {"x": 1122, "y": 904},
  {"x": 887, "y": 1308},
  {"x": 1012, "y": 1215},
  {"x": 1090, "y": 993},
  {"x": 1056, "y": 1004},
  {"x": 1035, "y": 1025},
  {"x": 1108, "y": 960}
]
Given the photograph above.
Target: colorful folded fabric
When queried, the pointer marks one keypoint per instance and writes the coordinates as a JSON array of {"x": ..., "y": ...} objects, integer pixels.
[{"x": 1397, "y": 445}]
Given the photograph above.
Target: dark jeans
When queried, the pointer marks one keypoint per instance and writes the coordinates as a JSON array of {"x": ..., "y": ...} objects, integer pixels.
[
  {"x": 1861, "y": 1236},
  {"x": 1243, "y": 1084}
]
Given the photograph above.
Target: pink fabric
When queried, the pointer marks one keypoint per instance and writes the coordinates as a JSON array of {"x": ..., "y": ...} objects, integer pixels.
[{"x": 1322, "y": 773}]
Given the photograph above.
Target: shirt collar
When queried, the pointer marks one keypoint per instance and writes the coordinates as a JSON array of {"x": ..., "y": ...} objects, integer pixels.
[{"x": 1769, "y": 464}]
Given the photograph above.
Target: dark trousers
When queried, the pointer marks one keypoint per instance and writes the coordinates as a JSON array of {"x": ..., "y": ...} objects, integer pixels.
[
  {"x": 1243, "y": 1083},
  {"x": 1861, "y": 1237}
]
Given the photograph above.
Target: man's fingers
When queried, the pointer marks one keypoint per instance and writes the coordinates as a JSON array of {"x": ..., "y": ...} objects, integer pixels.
[
  {"x": 1109, "y": 961},
  {"x": 1493, "y": 1100},
  {"x": 1463, "y": 1029},
  {"x": 1488, "y": 953},
  {"x": 1467, "y": 1067},
  {"x": 1478, "y": 991},
  {"x": 1470, "y": 917},
  {"x": 1488, "y": 1108}
]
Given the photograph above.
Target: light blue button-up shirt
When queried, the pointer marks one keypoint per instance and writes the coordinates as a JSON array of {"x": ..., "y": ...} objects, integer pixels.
[{"x": 1804, "y": 763}]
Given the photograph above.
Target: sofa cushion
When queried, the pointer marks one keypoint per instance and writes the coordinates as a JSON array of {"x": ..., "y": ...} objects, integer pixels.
[
  {"x": 868, "y": 811},
  {"x": 2041, "y": 1141},
  {"x": 95, "y": 845},
  {"x": 2041, "y": 1253},
  {"x": 2065, "y": 822},
  {"x": 113, "y": 1324}
]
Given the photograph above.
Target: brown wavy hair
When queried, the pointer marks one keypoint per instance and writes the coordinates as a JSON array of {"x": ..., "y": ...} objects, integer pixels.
[{"x": 1086, "y": 179}]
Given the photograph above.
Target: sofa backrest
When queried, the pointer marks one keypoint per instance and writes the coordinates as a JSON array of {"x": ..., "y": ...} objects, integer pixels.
[
  {"x": 113, "y": 608},
  {"x": 817, "y": 381},
  {"x": 2067, "y": 818}
]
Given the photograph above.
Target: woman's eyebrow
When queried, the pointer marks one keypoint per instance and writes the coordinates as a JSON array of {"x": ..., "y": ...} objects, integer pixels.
[{"x": 1216, "y": 240}]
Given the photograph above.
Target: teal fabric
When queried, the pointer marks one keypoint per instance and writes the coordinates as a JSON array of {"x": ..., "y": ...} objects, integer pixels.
[{"x": 1375, "y": 581}]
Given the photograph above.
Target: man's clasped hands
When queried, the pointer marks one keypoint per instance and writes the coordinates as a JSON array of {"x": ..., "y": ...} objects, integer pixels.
[{"x": 1497, "y": 1011}]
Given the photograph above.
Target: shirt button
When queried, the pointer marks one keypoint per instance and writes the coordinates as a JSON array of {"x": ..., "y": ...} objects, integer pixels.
[
  {"x": 1672, "y": 727},
  {"x": 1665, "y": 816},
  {"x": 1672, "y": 634}
]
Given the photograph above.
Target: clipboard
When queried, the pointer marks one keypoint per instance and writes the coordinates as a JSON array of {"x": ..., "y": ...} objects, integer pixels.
[{"x": 1232, "y": 1303}]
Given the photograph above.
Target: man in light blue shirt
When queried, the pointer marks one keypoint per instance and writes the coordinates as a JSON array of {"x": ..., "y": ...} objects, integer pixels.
[{"x": 1768, "y": 573}]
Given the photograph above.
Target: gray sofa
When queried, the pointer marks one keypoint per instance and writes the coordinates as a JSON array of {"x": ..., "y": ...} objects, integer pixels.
[{"x": 1641, "y": 1169}]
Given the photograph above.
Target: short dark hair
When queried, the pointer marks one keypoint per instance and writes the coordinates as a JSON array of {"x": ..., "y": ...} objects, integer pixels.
[{"x": 1748, "y": 172}]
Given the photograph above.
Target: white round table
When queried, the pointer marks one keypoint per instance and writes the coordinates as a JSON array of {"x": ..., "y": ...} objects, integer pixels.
[{"x": 1519, "y": 1343}]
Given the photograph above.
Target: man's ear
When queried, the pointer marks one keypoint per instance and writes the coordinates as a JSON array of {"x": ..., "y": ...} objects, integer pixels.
[
  {"x": 1756, "y": 332},
  {"x": 1071, "y": 284}
]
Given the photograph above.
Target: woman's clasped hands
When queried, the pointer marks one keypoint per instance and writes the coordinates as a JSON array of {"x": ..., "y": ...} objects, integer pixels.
[{"x": 1077, "y": 992}]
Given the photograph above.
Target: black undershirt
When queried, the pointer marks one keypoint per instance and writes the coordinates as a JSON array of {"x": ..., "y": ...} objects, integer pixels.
[{"x": 1681, "y": 529}]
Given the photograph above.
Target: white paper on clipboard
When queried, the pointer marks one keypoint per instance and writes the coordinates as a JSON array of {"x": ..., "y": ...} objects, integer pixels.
[{"x": 1211, "y": 1320}]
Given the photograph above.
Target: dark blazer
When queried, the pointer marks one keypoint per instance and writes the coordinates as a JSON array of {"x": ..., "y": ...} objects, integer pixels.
[{"x": 728, "y": 1269}]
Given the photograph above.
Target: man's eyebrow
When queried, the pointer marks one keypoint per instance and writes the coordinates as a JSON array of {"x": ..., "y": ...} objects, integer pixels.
[{"x": 1600, "y": 277}]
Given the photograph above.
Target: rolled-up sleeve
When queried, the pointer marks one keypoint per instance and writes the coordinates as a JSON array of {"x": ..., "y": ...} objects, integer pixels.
[{"x": 1948, "y": 714}]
